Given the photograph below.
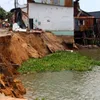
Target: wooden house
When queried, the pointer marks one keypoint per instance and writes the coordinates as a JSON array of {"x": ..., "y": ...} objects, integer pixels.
[
  {"x": 96, "y": 15},
  {"x": 83, "y": 25}
]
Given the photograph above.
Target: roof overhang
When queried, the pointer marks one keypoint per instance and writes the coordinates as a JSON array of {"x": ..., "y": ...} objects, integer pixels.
[{"x": 85, "y": 17}]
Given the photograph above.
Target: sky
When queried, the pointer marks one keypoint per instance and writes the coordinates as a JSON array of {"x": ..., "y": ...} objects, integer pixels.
[
  {"x": 90, "y": 5},
  {"x": 86, "y": 5},
  {"x": 9, "y": 4}
]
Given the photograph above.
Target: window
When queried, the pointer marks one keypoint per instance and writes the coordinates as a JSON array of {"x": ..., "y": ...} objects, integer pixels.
[{"x": 81, "y": 22}]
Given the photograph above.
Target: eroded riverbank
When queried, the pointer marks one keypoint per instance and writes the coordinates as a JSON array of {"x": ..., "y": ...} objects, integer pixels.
[
  {"x": 65, "y": 85},
  {"x": 17, "y": 47}
]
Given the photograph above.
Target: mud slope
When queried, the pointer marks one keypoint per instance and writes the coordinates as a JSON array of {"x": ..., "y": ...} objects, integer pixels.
[
  {"x": 21, "y": 46},
  {"x": 17, "y": 48}
]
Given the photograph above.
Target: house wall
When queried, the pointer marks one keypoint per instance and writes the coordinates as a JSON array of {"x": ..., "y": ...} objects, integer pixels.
[
  {"x": 67, "y": 3},
  {"x": 62, "y": 2},
  {"x": 54, "y": 2},
  {"x": 88, "y": 23},
  {"x": 52, "y": 18}
]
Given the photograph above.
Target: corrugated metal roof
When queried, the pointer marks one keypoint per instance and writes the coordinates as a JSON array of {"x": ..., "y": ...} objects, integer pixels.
[{"x": 95, "y": 14}]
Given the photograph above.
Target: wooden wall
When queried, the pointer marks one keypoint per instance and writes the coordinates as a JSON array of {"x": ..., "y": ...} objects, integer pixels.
[
  {"x": 89, "y": 22},
  {"x": 68, "y": 3}
]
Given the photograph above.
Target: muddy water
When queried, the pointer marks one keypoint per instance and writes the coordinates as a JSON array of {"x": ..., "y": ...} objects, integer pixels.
[
  {"x": 64, "y": 85},
  {"x": 93, "y": 53}
]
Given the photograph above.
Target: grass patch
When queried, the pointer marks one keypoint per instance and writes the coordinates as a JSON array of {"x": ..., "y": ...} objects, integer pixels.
[{"x": 58, "y": 61}]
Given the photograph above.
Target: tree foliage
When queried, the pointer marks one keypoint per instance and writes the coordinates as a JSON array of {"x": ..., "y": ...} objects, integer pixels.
[{"x": 2, "y": 13}]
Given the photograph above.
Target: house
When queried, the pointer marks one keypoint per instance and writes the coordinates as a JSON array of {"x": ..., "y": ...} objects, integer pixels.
[
  {"x": 52, "y": 15},
  {"x": 83, "y": 25},
  {"x": 96, "y": 15}
]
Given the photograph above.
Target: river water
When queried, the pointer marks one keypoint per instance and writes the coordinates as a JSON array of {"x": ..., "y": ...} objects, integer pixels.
[{"x": 64, "y": 85}]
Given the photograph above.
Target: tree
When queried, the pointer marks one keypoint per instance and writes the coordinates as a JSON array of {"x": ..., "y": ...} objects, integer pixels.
[
  {"x": 9, "y": 16},
  {"x": 2, "y": 13}
]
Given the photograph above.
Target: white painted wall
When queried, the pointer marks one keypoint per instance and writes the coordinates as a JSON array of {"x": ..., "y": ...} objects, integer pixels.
[{"x": 50, "y": 17}]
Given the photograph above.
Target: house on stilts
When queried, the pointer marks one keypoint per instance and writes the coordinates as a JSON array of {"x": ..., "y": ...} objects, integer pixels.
[{"x": 85, "y": 26}]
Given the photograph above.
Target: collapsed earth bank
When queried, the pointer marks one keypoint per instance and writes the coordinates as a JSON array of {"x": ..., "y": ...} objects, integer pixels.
[{"x": 17, "y": 48}]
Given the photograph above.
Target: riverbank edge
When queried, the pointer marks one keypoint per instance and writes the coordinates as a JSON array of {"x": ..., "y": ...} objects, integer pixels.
[{"x": 58, "y": 61}]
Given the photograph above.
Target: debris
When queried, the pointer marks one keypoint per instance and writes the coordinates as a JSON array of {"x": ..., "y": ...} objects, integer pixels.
[{"x": 16, "y": 27}]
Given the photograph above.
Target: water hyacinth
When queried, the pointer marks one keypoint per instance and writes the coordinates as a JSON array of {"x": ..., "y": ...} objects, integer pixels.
[{"x": 62, "y": 60}]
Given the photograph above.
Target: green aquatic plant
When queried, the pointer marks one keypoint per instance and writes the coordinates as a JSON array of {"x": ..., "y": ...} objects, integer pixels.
[{"x": 62, "y": 60}]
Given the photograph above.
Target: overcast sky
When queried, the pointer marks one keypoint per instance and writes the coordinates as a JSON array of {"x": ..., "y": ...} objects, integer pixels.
[
  {"x": 90, "y": 5},
  {"x": 9, "y": 4},
  {"x": 86, "y": 5}
]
